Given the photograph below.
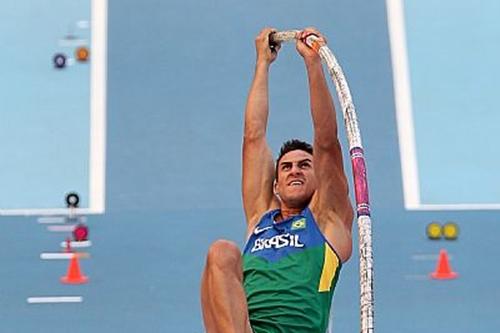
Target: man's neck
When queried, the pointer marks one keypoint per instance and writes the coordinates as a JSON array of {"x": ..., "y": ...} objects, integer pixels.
[{"x": 286, "y": 213}]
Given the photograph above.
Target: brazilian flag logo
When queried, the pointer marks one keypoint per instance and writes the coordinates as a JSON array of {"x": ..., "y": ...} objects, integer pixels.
[{"x": 299, "y": 224}]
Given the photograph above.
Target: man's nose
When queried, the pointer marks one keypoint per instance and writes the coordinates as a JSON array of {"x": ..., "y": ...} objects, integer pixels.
[{"x": 296, "y": 169}]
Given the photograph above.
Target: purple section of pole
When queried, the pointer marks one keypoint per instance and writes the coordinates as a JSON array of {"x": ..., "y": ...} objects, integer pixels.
[{"x": 360, "y": 183}]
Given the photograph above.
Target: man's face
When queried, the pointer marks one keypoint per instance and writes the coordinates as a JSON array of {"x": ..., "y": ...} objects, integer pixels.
[{"x": 296, "y": 181}]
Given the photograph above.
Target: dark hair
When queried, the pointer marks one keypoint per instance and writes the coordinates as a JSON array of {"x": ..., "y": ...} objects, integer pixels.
[{"x": 293, "y": 144}]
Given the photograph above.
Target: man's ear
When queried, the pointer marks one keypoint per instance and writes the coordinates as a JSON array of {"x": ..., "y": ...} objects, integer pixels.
[{"x": 275, "y": 188}]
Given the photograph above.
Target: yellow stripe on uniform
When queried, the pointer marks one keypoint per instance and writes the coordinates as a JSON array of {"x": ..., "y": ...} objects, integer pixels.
[{"x": 330, "y": 265}]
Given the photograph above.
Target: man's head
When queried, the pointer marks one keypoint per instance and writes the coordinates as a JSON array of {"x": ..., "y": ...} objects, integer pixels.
[{"x": 295, "y": 179}]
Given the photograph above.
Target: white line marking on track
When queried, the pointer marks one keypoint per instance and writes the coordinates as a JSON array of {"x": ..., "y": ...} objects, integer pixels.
[
  {"x": 61, "y": 228},
  {"x": 427, "y": 257},
  {"x": 57, "y": 256},
  {"x": 55, "y": 299},
  {"x": 402, "y": 95},
  {"x": 83, "y": 24},
  {"x": 76, "y": 244},
  {"x": 68, "y": 42},
  {"x": 458, "y": 206},
  {"x": 51, "y": 219},
  {"x": 61, "y": 219}
]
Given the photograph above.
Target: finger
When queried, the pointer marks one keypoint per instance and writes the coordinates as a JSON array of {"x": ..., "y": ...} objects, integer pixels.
[
  {"x": 264, "y": 34},
  {"x": 313, "y": 30},
  {"x": 270, "y": 32},
  {"x": 267, "y": 31},
  {"x": 318, "y": 37},
  {"x": 301, "y": 46},
  {"x": 316, "y": 32},
  {"x": 300, "y": 41}
]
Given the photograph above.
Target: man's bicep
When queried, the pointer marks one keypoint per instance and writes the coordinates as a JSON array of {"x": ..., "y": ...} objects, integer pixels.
[
  {"x": 257, "y": 178},
  {"x": 333, "y": 187}
]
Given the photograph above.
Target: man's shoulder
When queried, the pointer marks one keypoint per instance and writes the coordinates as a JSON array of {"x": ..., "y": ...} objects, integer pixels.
[{"x": 259, "y": 217}]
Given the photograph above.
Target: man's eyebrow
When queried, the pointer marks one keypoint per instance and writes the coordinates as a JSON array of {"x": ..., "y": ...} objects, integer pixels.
[{"x": 299, "y": 161}]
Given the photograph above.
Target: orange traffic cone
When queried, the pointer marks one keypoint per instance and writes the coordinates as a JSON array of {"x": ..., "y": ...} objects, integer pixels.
[
  {"x": 443, "y": 269},
  {"x": 74, "y": 276}
]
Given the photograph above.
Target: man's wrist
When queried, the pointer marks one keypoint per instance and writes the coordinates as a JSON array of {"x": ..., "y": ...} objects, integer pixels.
[
  {"x": 262, "y": 64},
  {"x": 312, "y": 62}
]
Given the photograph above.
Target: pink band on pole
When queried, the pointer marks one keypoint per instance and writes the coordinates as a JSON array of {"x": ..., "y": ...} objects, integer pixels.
[{"x": 360, "y": 183}]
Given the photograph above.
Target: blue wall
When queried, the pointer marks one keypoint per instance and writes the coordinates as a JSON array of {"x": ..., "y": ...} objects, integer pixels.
[{"x": 178, "y": 79}]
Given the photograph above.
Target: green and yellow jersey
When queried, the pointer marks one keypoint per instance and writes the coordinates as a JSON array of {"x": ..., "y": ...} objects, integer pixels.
[{"x": 289, "y": 273}]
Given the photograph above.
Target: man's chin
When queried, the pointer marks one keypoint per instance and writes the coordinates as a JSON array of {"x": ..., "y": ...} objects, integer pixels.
[{"x": 297, "y": 201}]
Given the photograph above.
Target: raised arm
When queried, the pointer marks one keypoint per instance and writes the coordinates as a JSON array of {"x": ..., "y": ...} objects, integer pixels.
[
  {"x": 258, "y": 164},
  {"x": 330, "y": 204}
]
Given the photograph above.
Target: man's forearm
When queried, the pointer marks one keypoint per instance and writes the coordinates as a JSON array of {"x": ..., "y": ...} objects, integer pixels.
[
  {"x": 257, "y": 108},
  {"x": 322, "y": 107}
]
